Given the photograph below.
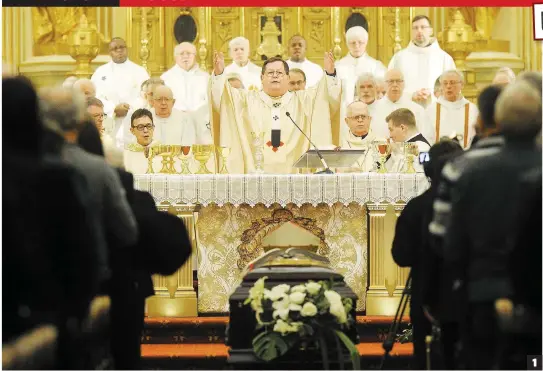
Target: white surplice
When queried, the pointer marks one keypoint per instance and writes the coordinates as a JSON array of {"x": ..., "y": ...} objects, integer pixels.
[
  {"x": 313, "y": 72},
  {"x": 452, "y": 120},
  {"x": 250, "y": 74},
  {"x": 243, "y": 112},
  {"x": 384, "y": 107},
  {"x": 421, "y": 66},
  {"x": 177, "y": 129},
  {"x": 366, "y": 162},
  {"x": 119, "y": 83},
  {"x": 189, "y": 87},
  {"x": 348, "y": 70}
]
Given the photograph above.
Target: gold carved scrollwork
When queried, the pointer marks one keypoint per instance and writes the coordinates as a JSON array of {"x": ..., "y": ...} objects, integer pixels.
[
  {"x": 270, "y": 33},
  {"x": 224, "y": 34},
  {"x": 51, "y": 27},
  {"x": 317, "y": 35},
  {"x": 224, "y": 10},
  {"x": 251, "y": 246}
]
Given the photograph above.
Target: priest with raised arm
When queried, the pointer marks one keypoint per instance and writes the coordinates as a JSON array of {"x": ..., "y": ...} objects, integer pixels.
[
  {"x": 245, "y": 112},
  {"x": 422, "y": 62},
  {"x": 118, "y": 82}
]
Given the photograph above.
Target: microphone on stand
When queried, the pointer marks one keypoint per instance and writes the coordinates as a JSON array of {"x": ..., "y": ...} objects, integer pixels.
[{"x": 324, "y": 164}]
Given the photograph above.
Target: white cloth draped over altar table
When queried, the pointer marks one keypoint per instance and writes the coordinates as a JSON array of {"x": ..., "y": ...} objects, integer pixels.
[
  {"x": 298, "y": 189},
  {"x": 230, "y": 204}
]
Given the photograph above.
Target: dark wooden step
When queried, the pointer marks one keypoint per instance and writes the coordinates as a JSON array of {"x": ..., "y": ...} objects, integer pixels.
[{"x": 211, "y": 330}]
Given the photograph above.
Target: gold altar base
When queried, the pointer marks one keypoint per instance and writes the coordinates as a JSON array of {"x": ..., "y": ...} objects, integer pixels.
[
  {"x": 175, "y": 295},
  {"x": 173, "y": 307}
]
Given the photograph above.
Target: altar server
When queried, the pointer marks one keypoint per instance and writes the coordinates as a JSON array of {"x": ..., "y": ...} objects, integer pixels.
[
  {"x": 136, "y": 154},
  {"x": 243, "y": 112},
  {"x": 451, "y": 114},
  {"x": 360, "y": 136},
  {"x": 239, "y": 50},
  {"x": 355, "y": 63},
  {"x": 402, "y": 128},
  {"x": 124, "y": 137},
  {"x": 422, "y": 62},
  {"x": 118, "y": 82},
  {"x": 297, "y": 47},
  {"x": 393, "y": 100}
]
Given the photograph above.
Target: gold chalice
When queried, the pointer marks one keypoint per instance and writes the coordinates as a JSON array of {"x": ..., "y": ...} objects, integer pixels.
[
  {"x": 224, "y": 152},
  {"x": 163, "y": 150},
  {"x": 202, "y": 154},
  {"x": 153, "y": 151},
  {"x": 174, "y": 151},
  {"x": 411, "y": 150},
  {"x": 184, "y": 156},
  {"x": 383, "y": 149}
]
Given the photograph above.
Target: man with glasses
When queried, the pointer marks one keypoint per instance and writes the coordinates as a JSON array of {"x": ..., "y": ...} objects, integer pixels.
[
  {"x": 174, "y": 126},
  {"x": 360, "y": 136},
  {"x": 422, "y": 62},
  {"x": 355, "y": 63},
  {"x": 451, "y": 115},
  {"x": 118, "y": 81},
  {"x": 245, "y": 112},
  {"x": 394, "y": 99},
  {"x": 136, "y": 154}
]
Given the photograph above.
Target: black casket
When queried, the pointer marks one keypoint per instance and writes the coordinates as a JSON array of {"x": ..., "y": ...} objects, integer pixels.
[{"x": 292, "y": 267}]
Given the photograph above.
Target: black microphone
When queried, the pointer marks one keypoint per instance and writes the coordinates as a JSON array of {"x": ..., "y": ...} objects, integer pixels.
[{"x": 324, "y": 164}]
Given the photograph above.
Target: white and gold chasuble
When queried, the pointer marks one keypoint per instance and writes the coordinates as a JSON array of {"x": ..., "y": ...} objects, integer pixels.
[{"x": 243, "y": 112}]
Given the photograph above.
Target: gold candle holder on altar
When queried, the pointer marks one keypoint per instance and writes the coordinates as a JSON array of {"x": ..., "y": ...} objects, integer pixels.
[
  {"x": 184, "y": 156},
  {"x": 168, "y": 154},
  {"x": 224, "y": 152},
  {"x": 258, "y": 151},
  {"x": 383, "y": 149},
  {"x": 202, "y": 154},
  {"x": 410, "y": 150}
]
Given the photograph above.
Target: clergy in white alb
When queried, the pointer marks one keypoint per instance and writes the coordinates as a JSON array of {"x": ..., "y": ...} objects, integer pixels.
[
  {"x": 394, "y": 99},
  {"x": 360, "y": 136},
  {"x": 87, "y": 87},
  {"x": 422, "y": 62},
  {"x": 297, "y": 79},
  {"x": 136, "y": 155},
  {"x": 189, "y": 84},
  {"x": 451, "y": 114},
  {"x": 124, "y": 136},
  {"x": 245, "y": 112},
  {"x": 297, "y": 47},
  {"x": 118, "y": 82},
  {"x": 366, "y": 91},
  {"x": 239, "y": 50},
  {"x": 403, "y": 129},
  {"x": 504, "y": 76},
  {"x": 175, "y": 127},
  {"x": 355, "y": 63}
]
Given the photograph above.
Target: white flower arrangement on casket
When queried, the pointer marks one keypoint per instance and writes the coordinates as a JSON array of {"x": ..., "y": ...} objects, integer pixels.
[{"x": 300, "y": 316}]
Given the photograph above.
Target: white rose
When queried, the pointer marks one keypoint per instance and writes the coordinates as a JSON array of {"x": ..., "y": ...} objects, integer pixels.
[
  {"x": 297, "y": 297},
  {"x": 281, "y": 326},
  {"x": 332, "y": 297},
  {"x": 309, "y": 310},
  {"x": 281, "y": 304},
  {"x": 283, "y": 288},
  {"x": 295, "y": 307},
  {"x": 281, "y": 313},
  {"x": 298, "y": 288},
  {"x": 273, "y": 295},
  {"x": 338, "y": 311},
  {"x": 313, "y": 288}
]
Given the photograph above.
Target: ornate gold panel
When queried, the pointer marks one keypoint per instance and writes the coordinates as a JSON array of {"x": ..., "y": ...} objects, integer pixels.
[
  {"x": 316, "y": 27},
  {"x": 156, "y": 63},
  {"x": 225, "y": 25}
]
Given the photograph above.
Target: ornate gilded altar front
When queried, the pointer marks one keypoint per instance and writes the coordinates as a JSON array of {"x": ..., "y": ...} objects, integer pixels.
[{"x": 355, "y": 212}]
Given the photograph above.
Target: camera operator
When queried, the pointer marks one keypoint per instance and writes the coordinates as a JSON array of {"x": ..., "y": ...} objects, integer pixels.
[{"x": 411, "y": 248}]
